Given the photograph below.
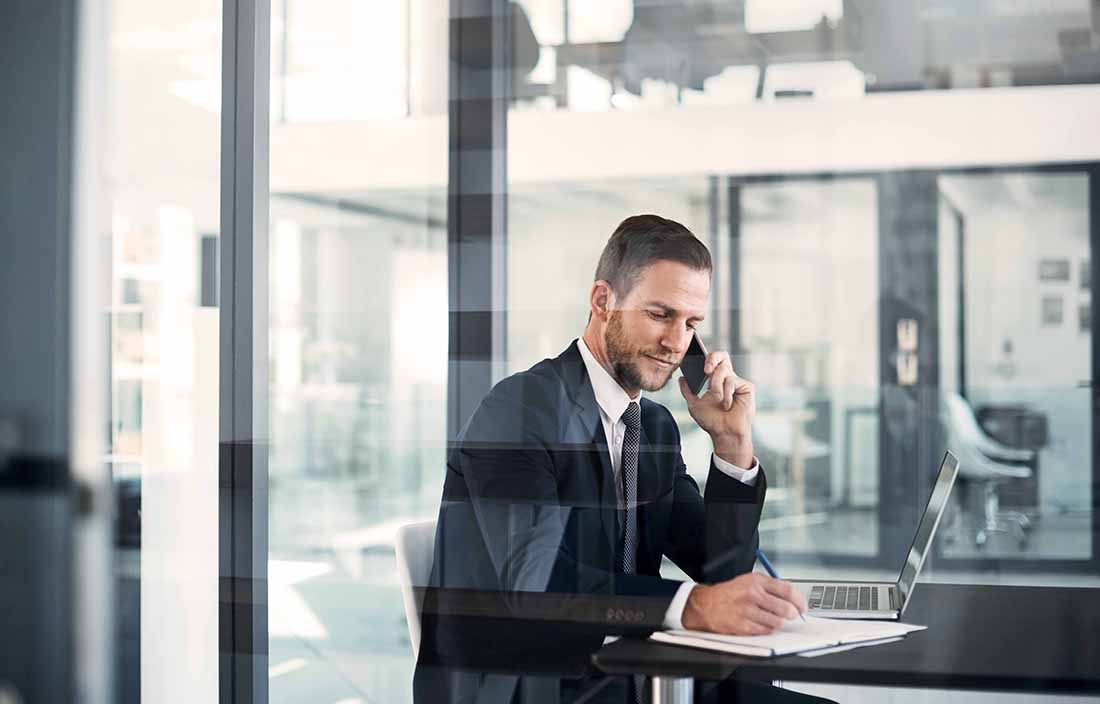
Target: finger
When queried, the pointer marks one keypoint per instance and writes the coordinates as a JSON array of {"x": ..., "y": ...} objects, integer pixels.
[
  {"x": 787, "y": 592},
  {"x": 747, "y": 627},
  {"x": 729, "y": 391},
  {"x": 718, "y": 381},
  {"x": 686, "y": 392},
  {"x": 715, "y": 360},
  {"x": 766, "y": 619},
  {"x": 780, "y": 607}
]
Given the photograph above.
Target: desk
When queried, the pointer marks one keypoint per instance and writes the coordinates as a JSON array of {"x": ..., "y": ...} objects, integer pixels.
[{"x": 1021, "y": 639}]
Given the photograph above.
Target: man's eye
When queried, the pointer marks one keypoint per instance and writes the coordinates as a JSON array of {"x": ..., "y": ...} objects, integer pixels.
[{"x": 657, "y": 316}]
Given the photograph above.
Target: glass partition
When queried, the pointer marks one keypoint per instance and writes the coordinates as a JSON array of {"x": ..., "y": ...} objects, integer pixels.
[
  {"x": 809, "y": 327},
  {"x": 1017, "y": 359},
  {"x": 155, "y": 128},
  {"x": 841, "y": 201},
  {"x": 357, "y": 338}
]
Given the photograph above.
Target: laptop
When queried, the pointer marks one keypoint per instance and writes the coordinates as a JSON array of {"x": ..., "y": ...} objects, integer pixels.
[{"x": 877, "y": 600}]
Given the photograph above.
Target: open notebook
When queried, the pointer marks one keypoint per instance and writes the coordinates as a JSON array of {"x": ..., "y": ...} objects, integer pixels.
[{"x": 794, "y": 637}]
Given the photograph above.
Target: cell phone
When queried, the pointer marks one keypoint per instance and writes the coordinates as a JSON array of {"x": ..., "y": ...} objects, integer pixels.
[{"x": 692, "y": 365}]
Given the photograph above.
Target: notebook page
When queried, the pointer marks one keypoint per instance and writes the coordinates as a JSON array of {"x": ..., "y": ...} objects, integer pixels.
[{"x": 814, "y": 633}]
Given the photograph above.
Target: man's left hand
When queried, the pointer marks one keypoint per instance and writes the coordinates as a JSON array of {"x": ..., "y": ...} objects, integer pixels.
[{"x": 725, "y": 410}]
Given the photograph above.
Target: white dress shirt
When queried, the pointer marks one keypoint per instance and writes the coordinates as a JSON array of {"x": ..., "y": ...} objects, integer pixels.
[{"x": 612, "y": 401}]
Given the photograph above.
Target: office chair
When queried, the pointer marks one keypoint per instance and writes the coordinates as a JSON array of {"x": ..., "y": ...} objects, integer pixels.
[
  {"x": 982, "y": 461},
  {"x": 414, "y": 546}
]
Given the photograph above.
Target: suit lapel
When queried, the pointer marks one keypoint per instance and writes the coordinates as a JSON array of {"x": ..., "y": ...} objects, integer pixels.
[{"x": 585, "y": 429}]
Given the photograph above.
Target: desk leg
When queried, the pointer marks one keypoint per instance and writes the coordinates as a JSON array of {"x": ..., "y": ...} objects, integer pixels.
[
  {"x": 673, "y": 690},
  {"x": 798, "y": 469}
]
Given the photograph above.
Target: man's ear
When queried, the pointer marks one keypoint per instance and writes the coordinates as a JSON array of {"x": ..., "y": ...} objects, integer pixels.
[{"x": 601, "y": 299}]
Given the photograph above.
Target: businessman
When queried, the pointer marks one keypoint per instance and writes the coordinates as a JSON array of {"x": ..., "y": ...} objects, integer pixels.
[{"x": 566, "y": 488}]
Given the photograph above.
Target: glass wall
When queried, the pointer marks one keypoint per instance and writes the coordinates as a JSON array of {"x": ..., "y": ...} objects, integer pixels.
[
  {"x": 850, "y": 171},
  {"x": 836, "y": 163},
  {"x": 809, "y": 329},
  {"x": 358, "y": 335},
  {"x": 1016, "y": 358},
  {"x": 818, "y": 167},
  {"x": 155, "y": 133}
]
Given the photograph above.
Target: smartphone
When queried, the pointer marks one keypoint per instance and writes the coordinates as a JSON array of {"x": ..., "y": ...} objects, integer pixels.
[{"x": 692, "y": 365}]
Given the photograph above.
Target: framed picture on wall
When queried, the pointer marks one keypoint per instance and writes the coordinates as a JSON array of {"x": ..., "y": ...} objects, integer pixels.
[
  {"x": 1052, "y": 311},
  {"x": 1084, "y": 318},
  {"x": 1054, "y": 270}
]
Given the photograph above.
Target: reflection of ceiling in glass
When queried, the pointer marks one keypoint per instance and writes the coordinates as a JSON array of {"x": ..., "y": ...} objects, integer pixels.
[{"x": 799, "y": 44}]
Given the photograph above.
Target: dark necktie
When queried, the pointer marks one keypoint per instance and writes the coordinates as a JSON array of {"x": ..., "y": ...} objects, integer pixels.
[{"x": 628, "y": 475}]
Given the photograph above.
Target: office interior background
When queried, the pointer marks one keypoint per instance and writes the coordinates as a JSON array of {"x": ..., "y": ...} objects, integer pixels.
[{"x": 902, "y": 200}]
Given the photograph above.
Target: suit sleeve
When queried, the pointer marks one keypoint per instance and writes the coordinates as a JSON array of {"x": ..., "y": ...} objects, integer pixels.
[{"x": 714, "y": 538}]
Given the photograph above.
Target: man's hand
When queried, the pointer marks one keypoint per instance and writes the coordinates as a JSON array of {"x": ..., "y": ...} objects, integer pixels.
[
  {"x": 750, "y": 605},
  {"x": 726, "y": 410}
]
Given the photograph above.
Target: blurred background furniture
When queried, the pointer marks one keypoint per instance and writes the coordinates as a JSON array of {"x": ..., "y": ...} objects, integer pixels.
[
  {"x": 414, "y": 547},
  {"x": 782, "y": 432},
  {"x": 987, "y": 464},
  {"x": 1022, "y": 428}
]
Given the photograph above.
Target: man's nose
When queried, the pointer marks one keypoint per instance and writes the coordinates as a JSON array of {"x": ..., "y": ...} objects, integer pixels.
[{"x": 678, "y": 339}]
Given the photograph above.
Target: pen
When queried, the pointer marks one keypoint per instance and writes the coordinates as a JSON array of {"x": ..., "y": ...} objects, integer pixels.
[{"x": 771, "y": 570}]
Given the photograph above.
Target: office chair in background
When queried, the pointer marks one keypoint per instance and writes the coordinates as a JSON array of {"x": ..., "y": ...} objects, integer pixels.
[
  {"x": 983, "y": 462},
  {"x": 414, "y": 546}
]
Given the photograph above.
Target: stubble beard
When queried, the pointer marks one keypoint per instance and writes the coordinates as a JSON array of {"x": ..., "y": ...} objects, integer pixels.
[{"x": 624, "y": 359}]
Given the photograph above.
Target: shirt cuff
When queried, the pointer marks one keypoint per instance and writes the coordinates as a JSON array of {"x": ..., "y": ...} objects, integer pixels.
[
  {"x": 674, "y": 616},
  {"x": 745, "y": 476}
]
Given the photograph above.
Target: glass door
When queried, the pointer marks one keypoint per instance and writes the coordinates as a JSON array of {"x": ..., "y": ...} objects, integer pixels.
[{"x": 1017, "y": 355}]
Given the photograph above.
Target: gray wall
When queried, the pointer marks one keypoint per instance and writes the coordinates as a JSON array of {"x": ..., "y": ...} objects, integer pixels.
[{"x": 36, "y": 63}]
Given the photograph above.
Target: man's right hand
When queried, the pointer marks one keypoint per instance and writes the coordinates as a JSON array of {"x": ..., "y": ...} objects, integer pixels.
[{"x": 753, "y": 604}]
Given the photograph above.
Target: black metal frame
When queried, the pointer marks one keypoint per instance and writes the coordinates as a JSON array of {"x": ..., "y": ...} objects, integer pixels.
[{"x": 243, "y": 343}]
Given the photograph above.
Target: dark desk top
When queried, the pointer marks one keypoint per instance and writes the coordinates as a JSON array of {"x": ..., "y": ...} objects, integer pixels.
[{"x": 978, "y": 637}]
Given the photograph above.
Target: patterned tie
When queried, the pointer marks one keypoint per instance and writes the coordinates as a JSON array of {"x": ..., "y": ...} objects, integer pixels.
[{"x": 628, "y": 475}]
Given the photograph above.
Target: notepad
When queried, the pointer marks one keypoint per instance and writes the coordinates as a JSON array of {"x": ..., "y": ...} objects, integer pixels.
[{"x": 793, "y": 637}]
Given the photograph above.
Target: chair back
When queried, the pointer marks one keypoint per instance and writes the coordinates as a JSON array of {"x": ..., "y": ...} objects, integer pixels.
[
  {"x": 414, "y": 546},
  {"x": 962, "y": 426},
  {"x": 980, "y": 457}
]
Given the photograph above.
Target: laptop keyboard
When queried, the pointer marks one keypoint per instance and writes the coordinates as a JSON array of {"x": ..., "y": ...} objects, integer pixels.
[{"x": 844, "y": 597}]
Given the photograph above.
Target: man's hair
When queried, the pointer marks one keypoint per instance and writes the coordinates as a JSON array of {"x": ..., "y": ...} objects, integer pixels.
[{"x": 641, "y": 240}]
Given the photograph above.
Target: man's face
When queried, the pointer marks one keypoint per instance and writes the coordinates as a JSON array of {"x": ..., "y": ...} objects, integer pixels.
[{"x": 649, "y": 331}]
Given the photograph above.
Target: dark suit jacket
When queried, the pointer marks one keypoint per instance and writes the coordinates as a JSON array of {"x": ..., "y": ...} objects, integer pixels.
[{"x": 528, "y": 526}]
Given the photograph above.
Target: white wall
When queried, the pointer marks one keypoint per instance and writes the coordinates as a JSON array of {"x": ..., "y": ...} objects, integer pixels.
[{"x": 876, "y": 132}]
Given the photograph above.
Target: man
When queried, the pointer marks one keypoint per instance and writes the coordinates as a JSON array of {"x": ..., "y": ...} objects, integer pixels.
[{"x": 566, "y": 489}]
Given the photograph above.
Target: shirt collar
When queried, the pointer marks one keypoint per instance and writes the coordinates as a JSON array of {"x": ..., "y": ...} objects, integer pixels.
[{"x": 610, "y": 397}]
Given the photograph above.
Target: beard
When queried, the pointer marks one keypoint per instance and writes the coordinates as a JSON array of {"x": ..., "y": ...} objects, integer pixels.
[{"x": 624, "y": 358}]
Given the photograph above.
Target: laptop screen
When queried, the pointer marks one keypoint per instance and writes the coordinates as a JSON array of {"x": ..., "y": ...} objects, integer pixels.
[{"x": 922, "y": 542}]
